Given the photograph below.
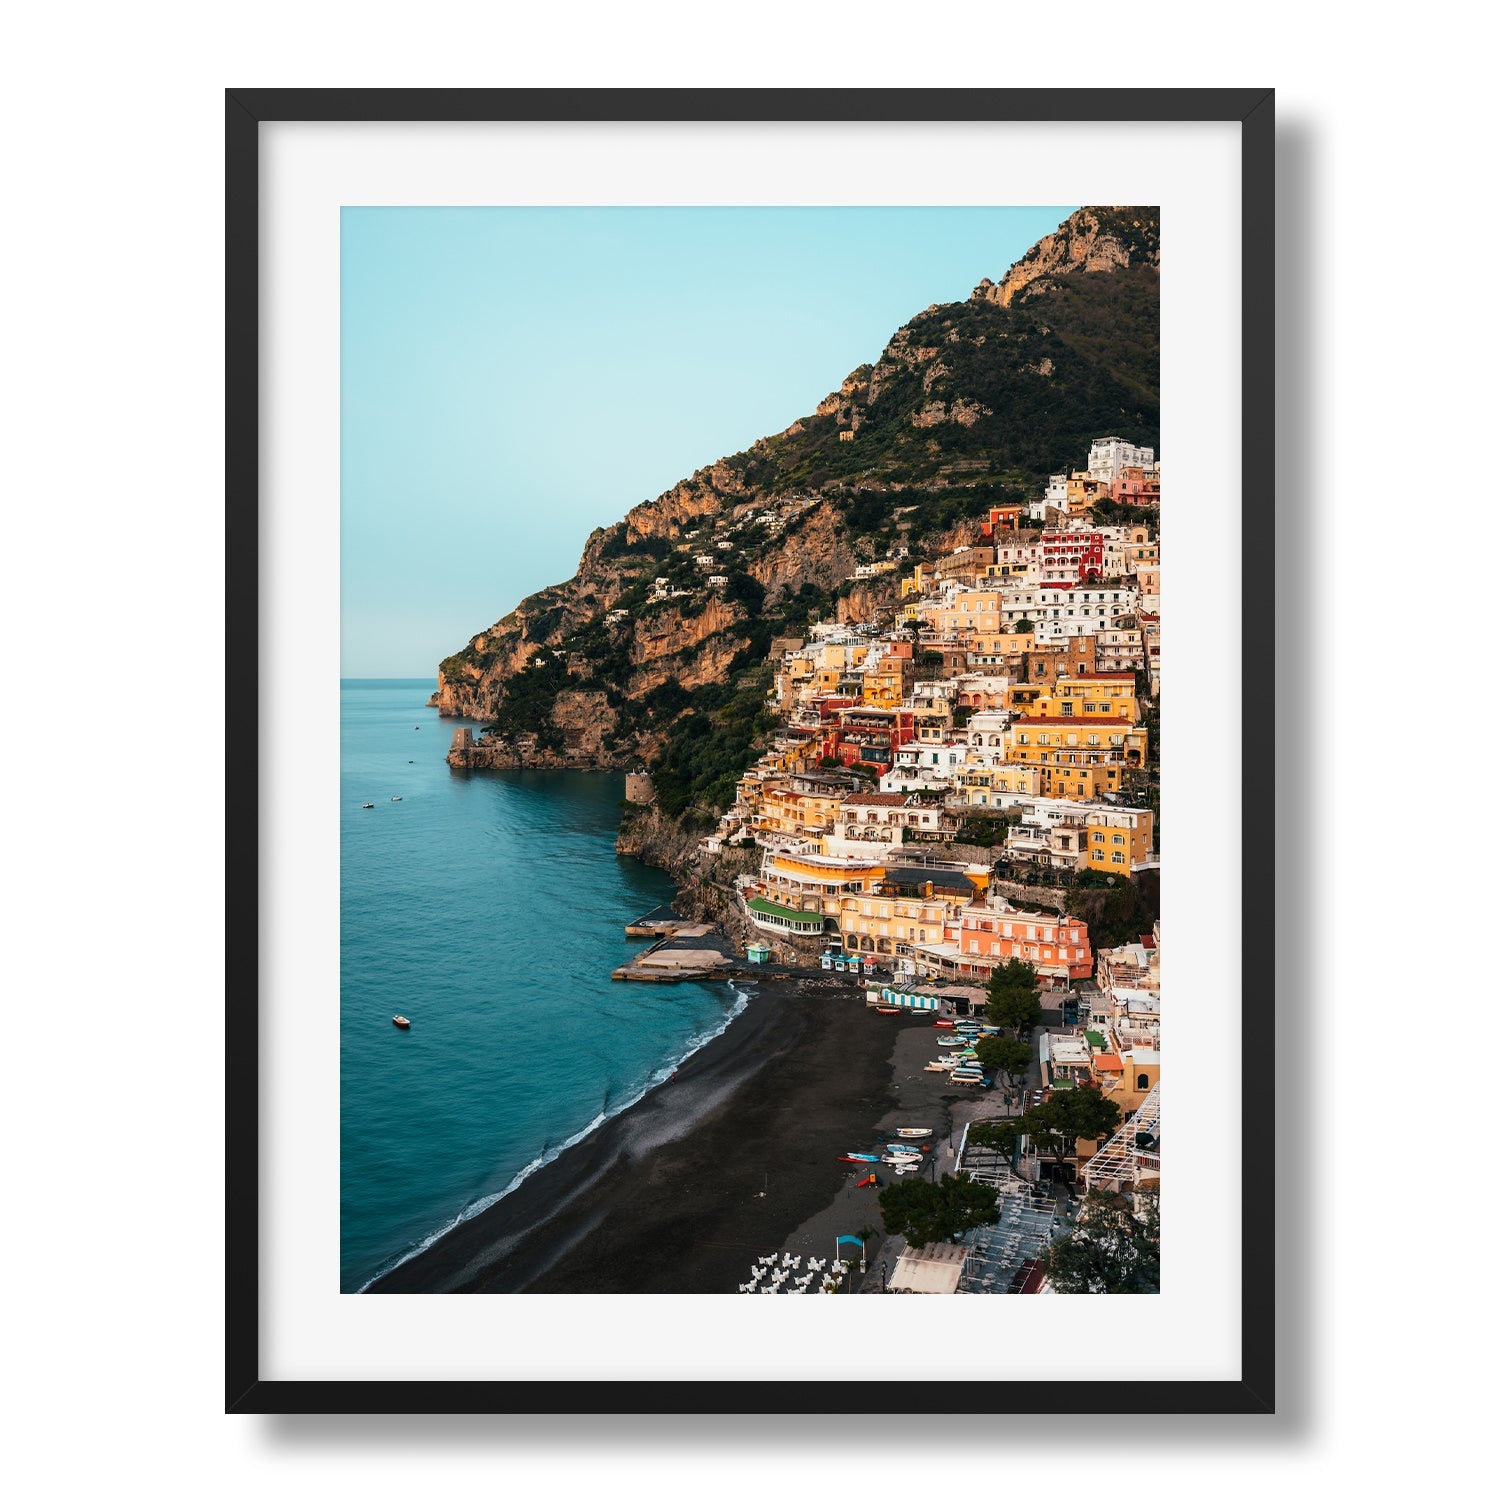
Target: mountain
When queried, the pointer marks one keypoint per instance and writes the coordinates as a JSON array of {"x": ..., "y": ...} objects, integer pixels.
[{"x": 969, "y": 404}]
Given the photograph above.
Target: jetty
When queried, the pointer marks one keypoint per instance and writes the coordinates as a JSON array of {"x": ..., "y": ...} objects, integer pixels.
[{"x": 663, "y": 922}]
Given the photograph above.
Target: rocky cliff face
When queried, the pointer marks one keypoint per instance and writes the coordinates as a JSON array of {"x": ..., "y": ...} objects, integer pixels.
[
  {"x": 1093, "y": 239},
  {"x": 968, "y": 404}
]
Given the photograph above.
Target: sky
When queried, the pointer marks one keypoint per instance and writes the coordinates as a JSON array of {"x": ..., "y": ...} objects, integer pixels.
[{"x": 512, "y": 378}]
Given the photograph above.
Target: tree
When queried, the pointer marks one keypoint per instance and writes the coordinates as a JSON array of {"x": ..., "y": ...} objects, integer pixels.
[
  {"x": 1113, "y": 1249},
  {"x": 995, "y": 1135},
  {"x": 1023, "y": 626},
  {"x": 1005, "y": 1054},
  {"x": 1057, "y": 1125},
  {"x": 1018, "y": 1009},
  {"x": 926, "y": 1212},
  {"x": 1013, "y": 974}
]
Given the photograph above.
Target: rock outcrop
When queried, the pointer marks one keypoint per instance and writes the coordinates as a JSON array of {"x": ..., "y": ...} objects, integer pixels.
[{"x": 1093, "y": 239}]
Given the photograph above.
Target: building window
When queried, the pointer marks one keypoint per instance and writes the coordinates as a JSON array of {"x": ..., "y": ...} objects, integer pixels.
[{"x": 1142, "y": 1081}]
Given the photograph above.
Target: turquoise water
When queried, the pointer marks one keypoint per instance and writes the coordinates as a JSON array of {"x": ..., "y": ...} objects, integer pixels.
[{"x": 488, "y": 907}]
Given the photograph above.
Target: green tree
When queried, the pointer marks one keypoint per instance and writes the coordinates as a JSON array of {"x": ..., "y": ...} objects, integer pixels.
[
  {"x": 1013, "y": 974},
  {"x": 926, "y": 1212},
  {"x": 1018, "y": 1009},
  {"x": 995, "y": 1135},
  {"x": 1057, "y": 1125},
  {"x": 1005, "y": 1054},
  {"x": 1114, "y": 1248},
  {"x": 1012, "y": 997}
]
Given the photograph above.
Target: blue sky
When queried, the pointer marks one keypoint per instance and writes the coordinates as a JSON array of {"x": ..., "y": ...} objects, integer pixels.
[{"x": 512, "y": 378}]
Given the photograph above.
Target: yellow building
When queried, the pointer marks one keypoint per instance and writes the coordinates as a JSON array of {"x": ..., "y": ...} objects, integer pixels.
[
  {"x": 818, "y": 882},
  {"x": 794, "y": 813},
  {"x": 921, "y": 576},
  {"x": 1119, "y": 839},
  {"x": 1086, "y": 695},
  {"x": 1069, "y": 742},
  {"x": 909, "y": 905},
  {"x": 887, "y": 684},
  {"x": 969, "y": 612},
  {"x": 1083, "y": 491},
  {"x": 983, "y": 786},
  {"x": 1080, "y": 779}
]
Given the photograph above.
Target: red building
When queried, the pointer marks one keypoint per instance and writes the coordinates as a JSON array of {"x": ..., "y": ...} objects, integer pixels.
[
  {"x": 1082, "y": 551},
  {"x": 1134, "y": 487},
  {"x": 1001, "y": 518},
  {"x": 867, "y": 735}
]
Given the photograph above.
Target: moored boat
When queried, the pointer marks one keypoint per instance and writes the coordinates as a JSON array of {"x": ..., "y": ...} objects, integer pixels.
[
  {"x": 914, "y": 1132},
  {"x": 887, "y": 1010},
  {"x": 860, "y": 1156}
]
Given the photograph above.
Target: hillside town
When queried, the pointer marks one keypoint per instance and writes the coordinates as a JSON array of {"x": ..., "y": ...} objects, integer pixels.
[{"x": 947, "y": 774}]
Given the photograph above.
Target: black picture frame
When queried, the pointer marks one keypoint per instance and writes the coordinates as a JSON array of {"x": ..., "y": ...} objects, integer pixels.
[{"x": 245, "y": 111}]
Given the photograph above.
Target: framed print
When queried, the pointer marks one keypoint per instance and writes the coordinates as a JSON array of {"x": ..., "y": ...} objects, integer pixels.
[{"x": 715, "y": 816}]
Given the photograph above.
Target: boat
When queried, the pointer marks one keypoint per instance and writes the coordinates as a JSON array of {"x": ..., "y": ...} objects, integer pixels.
[
  {"x": 401, "y": 1022},
  {"x": 367, "y": 804},
  {"x": 943, "y": 1025},
  {"x": 887, "y": 1010},
  {"x": 914, "y": 1132},
  {"x": 937, "y": 1067},
  {"x": 904, "y": 1171},
  {"x": 895, "y": 1160},
  {"x": 860, "y": 1156},
  {"x": 395, "y": 799}
]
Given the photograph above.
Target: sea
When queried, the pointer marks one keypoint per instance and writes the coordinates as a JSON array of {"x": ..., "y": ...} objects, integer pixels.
[{"x": 489, "y": 908}]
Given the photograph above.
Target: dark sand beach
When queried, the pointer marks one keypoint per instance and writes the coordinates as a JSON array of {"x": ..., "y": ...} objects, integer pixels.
[{"x": 722, "y": 1163}]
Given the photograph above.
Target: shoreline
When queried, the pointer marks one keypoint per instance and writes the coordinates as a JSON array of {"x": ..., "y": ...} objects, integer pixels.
[{"x": 724, "y": 1161}]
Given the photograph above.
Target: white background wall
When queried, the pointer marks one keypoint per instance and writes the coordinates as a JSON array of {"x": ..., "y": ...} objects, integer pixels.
[{"x": 112, "y": 644}]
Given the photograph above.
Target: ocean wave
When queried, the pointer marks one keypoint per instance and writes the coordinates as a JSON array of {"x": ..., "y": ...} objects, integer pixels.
[{"x": 696, "y": 1043}]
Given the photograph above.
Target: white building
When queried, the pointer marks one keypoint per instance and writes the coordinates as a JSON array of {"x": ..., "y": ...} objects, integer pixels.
[
  {"x": 1107, "y": 456},
  {"x": 1059, "y": 610}
]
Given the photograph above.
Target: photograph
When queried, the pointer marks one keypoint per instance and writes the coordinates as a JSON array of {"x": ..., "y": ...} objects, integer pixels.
[{"x": 749, "y": 750}]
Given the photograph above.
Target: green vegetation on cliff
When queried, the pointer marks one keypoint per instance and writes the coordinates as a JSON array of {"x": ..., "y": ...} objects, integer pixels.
[{"x": 970, "y": 404}]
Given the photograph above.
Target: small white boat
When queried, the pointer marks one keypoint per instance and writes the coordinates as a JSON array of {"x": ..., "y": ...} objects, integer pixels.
[
  {"x": 367, "y": 804},
  {"x": 395, "y": 799},
  {"x": 914, "y": 1132}
]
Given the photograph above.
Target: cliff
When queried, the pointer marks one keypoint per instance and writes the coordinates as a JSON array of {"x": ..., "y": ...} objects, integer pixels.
[{"x": 641, "y": 657}]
